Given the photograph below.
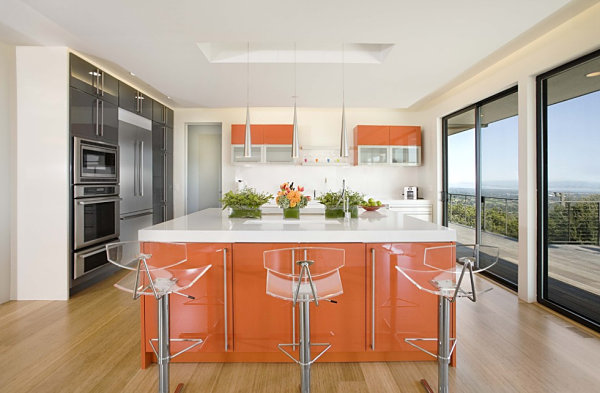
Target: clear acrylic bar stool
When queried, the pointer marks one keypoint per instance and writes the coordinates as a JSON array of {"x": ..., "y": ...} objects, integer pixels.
[
  {"x": 157, "y": 269},
  {"x": 440, "y": 275},
  {"x": 303, "y": 275}
]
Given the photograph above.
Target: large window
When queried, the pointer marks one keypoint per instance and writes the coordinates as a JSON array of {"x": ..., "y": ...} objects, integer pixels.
[
  {"x": 481, "y": 178},
  {"x": 569, "y": 189}
]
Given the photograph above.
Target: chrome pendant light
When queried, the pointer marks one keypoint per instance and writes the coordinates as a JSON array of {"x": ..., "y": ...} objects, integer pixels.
[
  {"x": 248, "y": 133},
  {"x": 344, "y": 137},
  {"x": 295, "y": 145}
]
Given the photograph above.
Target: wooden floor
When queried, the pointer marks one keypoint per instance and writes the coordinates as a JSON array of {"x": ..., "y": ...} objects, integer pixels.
[{"x": 90, "y": 344}]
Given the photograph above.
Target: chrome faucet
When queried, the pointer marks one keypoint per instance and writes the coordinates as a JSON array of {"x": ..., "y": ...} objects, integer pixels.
[{"x": 345, "y": 201}]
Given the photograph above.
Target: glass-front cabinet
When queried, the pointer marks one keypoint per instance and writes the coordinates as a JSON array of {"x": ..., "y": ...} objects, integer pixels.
[
  {"x": 271, "y": 143},
  {"x": 387, "y": 145}
]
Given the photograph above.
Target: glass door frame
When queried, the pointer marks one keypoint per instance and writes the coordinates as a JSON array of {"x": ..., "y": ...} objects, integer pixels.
[
  {"x": 542, "y": 194},
  {"x": 477, "y": 121}
]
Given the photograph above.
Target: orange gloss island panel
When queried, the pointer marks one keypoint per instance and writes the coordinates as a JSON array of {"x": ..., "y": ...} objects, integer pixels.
[
  {"x": 405, "y": 135},
  {"x": 401, "y": 310},
  {"x": 256, "y": 322},
  {"x": 204, "y": 316}
]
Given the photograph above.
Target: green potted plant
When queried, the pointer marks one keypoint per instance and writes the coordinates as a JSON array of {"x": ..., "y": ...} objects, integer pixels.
[
  {"x": 334, "y": 203},
  {"x": 245, "y": 203}
]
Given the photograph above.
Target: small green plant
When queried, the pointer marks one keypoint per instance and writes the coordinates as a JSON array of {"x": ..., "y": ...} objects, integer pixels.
[
  {"x": 247, "y": 198},
  {"x": 334, "y": 198}
]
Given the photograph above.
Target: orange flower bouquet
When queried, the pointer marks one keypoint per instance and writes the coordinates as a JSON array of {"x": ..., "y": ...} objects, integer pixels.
[{"x": 291, "y": 199}]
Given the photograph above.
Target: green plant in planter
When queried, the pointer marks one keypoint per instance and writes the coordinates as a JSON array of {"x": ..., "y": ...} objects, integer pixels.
[
  {"x": 334, "y": 204},
  {"x": 245, "y": 203}
]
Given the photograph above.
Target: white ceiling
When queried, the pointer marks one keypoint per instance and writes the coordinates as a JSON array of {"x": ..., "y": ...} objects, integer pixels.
[{"x": 433, "y": 43}]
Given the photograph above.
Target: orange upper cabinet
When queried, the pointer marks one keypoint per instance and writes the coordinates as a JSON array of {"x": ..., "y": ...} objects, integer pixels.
[
  {"x": 277, "y": 134},
  {"x": 238, "y": 132},
  {"x": 372, "y": 135},
  {"x": 387, "y": 145},
  {"x": 405, "y": 135}
]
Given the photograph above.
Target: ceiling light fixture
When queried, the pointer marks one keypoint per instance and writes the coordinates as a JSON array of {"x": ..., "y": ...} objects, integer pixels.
[
  {"x": 131, "y": 73},
  {"x": 295, "y": 147},
  {"x": 343, "y": 142},
  {"x": 593, "y": 74},
  {"x": 248, "y": 134}
]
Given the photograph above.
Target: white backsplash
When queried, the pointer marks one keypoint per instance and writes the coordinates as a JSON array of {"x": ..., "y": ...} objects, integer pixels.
[{"x": 379, "y": 182}]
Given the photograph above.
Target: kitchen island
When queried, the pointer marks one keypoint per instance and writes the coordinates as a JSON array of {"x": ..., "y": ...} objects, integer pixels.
[{"x": 240, "y": 322}]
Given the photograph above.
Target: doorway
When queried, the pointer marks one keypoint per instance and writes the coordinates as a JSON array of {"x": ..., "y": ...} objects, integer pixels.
[{"x": 203, "y": 166}]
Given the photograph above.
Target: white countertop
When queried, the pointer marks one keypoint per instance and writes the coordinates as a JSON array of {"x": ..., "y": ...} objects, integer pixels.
[{"x": 214, "y": 226}]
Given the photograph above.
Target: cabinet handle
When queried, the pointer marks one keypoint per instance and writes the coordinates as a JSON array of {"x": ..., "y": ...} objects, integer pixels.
[
  {"x": 293, "y": 308},
  {"x": 165, "y": 212},
  {"x": 102, "y": 118},
  {"x": 164, "y": 138},
  {"x": 372, "y": 299},
  {"x": 225, "y": 296},
  {"x": 137, "y": 102},
  {"x": 102, "y": 89},
  {"x": 141, "y": 98},
  {"x": 141, "y": 163},
  {"x": 165, "y": 169},
  {"x": 97, "y": 110},
  {"x": 97, "y": 80}
]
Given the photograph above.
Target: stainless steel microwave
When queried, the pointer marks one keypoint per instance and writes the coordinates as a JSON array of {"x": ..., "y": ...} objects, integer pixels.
[{"x": 95, "y": 162}]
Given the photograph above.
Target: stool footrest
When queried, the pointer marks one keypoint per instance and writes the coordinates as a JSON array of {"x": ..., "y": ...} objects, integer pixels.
[
  {"x": 410, "y": 342},
  {"x": 280, "y": 347},
  {"x": 196, "y": 342}
]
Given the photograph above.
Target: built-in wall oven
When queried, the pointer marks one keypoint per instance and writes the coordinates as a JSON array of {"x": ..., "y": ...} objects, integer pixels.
[
  {"x": 95, "y": 162},
  {"x": 95, "y": 221}
]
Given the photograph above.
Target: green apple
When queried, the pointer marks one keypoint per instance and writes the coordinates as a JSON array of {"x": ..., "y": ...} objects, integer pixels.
[{"x": 378, "y": 203}]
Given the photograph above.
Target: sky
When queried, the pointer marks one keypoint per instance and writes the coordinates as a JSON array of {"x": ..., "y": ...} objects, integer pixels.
[{"x": 573, "y": 148}]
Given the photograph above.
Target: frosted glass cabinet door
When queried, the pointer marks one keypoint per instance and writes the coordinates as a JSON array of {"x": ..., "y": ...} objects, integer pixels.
[
  {"x": 408, "y": 155},
  {"x": 373, "y": 154},
  {"x": 237, "y": 154},
  {"x": 278, "y": 153}
]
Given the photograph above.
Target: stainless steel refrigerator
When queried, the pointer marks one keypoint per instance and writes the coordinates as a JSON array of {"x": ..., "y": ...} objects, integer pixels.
[{"x": 135, "y": 168}]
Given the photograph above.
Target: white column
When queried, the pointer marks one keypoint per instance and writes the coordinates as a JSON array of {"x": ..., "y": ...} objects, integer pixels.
[
  {"x": 527, "y": 191},
  {"x": 41, "y": 227}
]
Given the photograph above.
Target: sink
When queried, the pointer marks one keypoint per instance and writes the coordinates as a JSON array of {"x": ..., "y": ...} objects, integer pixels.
[{"x": 281, "y": 221}]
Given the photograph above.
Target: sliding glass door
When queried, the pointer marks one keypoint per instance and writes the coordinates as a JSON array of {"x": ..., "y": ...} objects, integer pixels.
[
  {"x": 569, "y": 184},
  {"x": 481, "y": 178}
]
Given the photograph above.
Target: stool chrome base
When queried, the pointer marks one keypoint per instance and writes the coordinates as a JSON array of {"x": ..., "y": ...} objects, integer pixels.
[
  {"x": 304, "y": 345},
  {"x": 444, "y": 350},
  {"x": 163, "y": 354}
]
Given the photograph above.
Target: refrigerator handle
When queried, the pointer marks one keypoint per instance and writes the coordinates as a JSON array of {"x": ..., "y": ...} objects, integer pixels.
[
  {"x": 135, "y": 168},
  {"x": 141, "y": 162}
]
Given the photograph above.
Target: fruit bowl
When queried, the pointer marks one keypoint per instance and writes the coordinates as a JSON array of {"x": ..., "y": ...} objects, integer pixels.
[{"x": 371, "y": 208}]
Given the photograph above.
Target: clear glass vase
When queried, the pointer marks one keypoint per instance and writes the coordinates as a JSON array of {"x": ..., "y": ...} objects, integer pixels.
[
  {"x": 245, "y": 212},
  {"x": 291, "y": 212}
]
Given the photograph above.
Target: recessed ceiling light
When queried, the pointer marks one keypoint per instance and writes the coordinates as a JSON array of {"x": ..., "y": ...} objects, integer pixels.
[
  {"x": 131, "y": 73},
  {"x": 592, "y": 74},
  {"x": 168, "y": 97}
]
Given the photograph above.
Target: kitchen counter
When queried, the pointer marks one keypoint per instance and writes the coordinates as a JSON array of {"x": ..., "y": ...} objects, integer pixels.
[{"x": 214, "y": 226}]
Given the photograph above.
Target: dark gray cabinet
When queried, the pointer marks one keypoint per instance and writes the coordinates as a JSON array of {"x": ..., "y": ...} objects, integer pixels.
[
  {"x": 162, "y": 114},
  {"x": 92, "y": 80},
  {"x": 162, "y": 172},
  {"x": 135, "y": 101},
  {"x": 93, "y": 118}
]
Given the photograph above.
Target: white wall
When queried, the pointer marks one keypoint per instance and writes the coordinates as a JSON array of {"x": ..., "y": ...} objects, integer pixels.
[
  {"x": 578, "y": 36},
  {"x": 320, "y": 127},
  {"x": 42, "y": 206},
  {"x": 7, "y": 60}
]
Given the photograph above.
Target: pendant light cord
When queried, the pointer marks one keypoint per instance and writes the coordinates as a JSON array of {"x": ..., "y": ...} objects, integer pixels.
[
  {"x": 248, "y": 75},
  {"x": 295, "y": 72},
  {"x": 343, "y": 76}
]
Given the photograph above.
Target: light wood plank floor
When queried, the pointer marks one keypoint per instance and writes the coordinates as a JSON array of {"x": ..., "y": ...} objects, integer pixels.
[{"x": 90, "y": 344}]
